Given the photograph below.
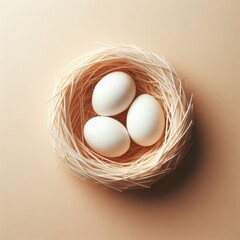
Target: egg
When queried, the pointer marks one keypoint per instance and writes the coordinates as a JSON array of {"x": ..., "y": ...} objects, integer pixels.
[
  {"x": 145, "y": 120},
  {"x": 113, "y": 94},
  {"x": 106, "y": 136}
]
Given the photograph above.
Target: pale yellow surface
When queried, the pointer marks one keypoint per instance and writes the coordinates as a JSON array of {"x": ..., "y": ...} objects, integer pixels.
[{"x": 40, "y": 199}]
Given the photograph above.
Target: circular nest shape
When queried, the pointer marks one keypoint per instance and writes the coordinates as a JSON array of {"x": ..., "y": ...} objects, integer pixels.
[{"x": 70, "y": 108}]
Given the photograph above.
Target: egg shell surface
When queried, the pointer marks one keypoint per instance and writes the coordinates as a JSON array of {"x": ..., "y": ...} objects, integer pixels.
[
  {"x": 113, "y": 94},
  {"x": 106, "y": 136},
  {"x": 145, "y": 120}
]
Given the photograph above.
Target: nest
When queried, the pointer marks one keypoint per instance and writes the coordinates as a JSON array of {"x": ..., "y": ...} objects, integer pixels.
[{"x": 70, "y": 108}]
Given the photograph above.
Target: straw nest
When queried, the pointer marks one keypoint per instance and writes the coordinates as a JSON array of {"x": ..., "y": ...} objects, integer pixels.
[{"x": 70, "y": 107}]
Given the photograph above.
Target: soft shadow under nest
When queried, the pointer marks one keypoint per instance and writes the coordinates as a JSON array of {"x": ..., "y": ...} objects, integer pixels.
[{"x": 70, "y": 108}]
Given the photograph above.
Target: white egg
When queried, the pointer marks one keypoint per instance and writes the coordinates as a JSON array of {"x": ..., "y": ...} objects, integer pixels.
[
  {"x": 145, "y": 120},
  {"x": 113, "y": 94},
  {"x": 106, "y": 136}
]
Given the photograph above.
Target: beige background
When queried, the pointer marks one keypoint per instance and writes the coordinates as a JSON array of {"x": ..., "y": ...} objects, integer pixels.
[{"x": 40, "y": 199}]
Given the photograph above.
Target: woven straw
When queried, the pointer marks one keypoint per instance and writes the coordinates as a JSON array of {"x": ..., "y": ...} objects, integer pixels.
[{"x": 70, "y": 108}]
